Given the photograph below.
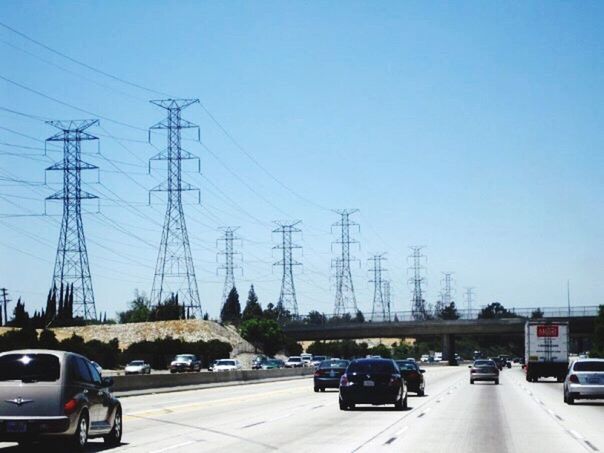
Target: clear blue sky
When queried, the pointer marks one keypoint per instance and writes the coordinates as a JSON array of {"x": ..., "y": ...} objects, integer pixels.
[{"x": 474, "y": 128}]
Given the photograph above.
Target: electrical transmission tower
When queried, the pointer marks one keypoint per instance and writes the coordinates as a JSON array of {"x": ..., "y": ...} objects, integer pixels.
[
  {"x": 5, "y": 301},
  {"x": 287, "y": 297},
  {"x": 380, "y": 310},
  {"x": 346, "y": 301},
  {"x": 174, "y": 271},
  {"x": 469, "y": 300},
  {"x": 71, "y": 263},
  {"x": 417, "y": 281},
  {"x": 447, "y": 289},
  {"x": 229, "y": 265},
  {"x": 387, "y": 294}
]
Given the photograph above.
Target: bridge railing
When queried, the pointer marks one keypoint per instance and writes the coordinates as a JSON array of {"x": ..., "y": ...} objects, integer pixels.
[{"x": 464, "y": 314}]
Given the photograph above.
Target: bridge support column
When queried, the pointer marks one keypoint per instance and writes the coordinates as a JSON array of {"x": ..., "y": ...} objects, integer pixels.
[{"x": 448, "y": 342}]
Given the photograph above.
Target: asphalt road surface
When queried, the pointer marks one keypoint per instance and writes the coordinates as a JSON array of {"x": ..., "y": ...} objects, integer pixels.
[{"x": 454, "y": 416}]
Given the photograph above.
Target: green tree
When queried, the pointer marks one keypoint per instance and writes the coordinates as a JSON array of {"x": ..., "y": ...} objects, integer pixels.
[
  {"x": 253, "y": 309},
  {"x": 537, "y": 314},
  {"x": 315, "y": 317},
  {"x": 231, "y": 310},
  {"x": 265, "y": 334},
  {"x": 48, "y": 340},
  {"x": 447, "y": 312},
  {"x": 167, "y": 311},
  {"x": 138, "y": 310},
  {"x": 359, "y": 317},
  {"x": 597, "y": 349},
  {"x": 495, "y": 311}
]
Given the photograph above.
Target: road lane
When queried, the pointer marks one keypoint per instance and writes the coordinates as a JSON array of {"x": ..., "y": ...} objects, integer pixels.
[{"x": 454, "y": 416}]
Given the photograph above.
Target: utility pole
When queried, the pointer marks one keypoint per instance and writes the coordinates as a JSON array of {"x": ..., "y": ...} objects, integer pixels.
[
  {"x": 174, "y": 270},
  {"x": 469, "y": 299},
  {"x": 5, "y": 301},
  {"x": 346, "y": 301},
  {"x": 287, "y": 296},
  {"x": 379, "y": 311},
  {"x": 568, "y": 296},
  {"x": 417, "y": 281},
  {"x": 229, "y": 265},
  {"x": 71, "y": 262}
]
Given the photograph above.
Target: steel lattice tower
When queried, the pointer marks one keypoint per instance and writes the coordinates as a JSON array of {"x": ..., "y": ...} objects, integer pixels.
[
  {"x": 469, "y": 300},
  {"x": 379, "y": 311},
  {"x": 447, "y": 289},
  {"x": 174, "y": 271},
  {"x": 418, "y": 304},
  {"x": 346, "y": 301},
  {"x": 287, "y": 297},
  {"x": 229, "y": 265},
  {"x": 387, "y": 293},
  {"x": 71, "y": 263}
]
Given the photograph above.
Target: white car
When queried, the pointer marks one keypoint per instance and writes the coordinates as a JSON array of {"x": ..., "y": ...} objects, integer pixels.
[
  {"x": 424, "y": 358},
  {"x": 585, "y": 380},
  {"x": 294, "y": 362},
  {"x": 226, "y": 365},
  {"x": 317, "y": 359},
  {"x": 138, "y": 367}
]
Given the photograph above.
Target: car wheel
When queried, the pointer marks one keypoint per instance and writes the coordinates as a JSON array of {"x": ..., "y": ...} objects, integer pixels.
[
  {"x": 420, "y": 393},
  {"x": 322, "y": 389},
  {"x": 570, "y": 399},
  {"x": 172, "y": 371},
  {"x": 316, "y": 389},
  {"x": 343, "y": 406},
  {"x": 496, "y": 381},
  {"x": 471, "y": 381},
  {"x": 114, "y": 438},
  {"x": 80, "y": 437}
]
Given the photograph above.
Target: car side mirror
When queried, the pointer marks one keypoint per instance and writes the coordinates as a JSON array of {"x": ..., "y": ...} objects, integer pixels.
[
  {"x": 469, "y": 366},
  {"x": 107, "y": 382},
  {"x": 422, "y": 371}
]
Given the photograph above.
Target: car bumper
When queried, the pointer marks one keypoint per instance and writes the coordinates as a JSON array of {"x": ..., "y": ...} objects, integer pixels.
[
  {"x": 33, "y": 427},
  {"x": 484, "y": 376},
  {"x": 586, "y": 391},
  {"x": 327, "y": 382},
  {"x": 377, "y": 395},
  {"x": 415, "y": 386}
]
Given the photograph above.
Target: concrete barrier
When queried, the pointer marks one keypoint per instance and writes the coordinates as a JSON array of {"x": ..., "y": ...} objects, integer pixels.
[{"x": 159, "y": 381}]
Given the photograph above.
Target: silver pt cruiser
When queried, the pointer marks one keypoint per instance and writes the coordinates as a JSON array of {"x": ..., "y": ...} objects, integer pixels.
[{"x": 47, "y": 394}]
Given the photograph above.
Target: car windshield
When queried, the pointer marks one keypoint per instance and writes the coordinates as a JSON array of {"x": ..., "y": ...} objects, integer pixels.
[
  {"x": 295, "y": 359},
  {"x": 30, "y": 367},
  {"x": 484, "y": 363},
  {"x": 225, "y": 362},
  {"x": 184, "y": 358},
  {"x": 371, "y": 366},
  {"x": 136, "y": 363},
  {"x": 319, "y": 358},
  {"x": 273, "y": 362},
  {"x": 334, "y": 364},
  {"x": 406, "y": 365},
  {"x": 589, "y": 366}
]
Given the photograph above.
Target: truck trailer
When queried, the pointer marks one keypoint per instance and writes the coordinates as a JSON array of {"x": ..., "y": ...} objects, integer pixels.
[{"x": 546, "y": 350}]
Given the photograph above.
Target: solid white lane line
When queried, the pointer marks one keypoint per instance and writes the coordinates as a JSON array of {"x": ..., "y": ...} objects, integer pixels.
[
  {"x": 402, "y": 430},
  {"x": 575, "y": 434},
  {"x": 173, "y": 447}
]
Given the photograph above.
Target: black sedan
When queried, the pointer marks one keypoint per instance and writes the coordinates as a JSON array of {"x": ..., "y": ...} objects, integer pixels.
[
  {"x": 413, "y": 376},
  {"x": 328, "y": 374},
  {"x": 372, "y": 381}
]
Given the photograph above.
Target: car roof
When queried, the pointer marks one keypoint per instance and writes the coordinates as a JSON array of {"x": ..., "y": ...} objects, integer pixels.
[
  {"x": 372, "y": 360},
  {"x": 58, "y": 353},
  {"x": 588, "y": 360}
]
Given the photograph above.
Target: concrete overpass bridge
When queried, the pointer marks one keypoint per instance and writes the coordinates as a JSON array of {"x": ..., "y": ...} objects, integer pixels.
[{"x": 581, "y": 326}]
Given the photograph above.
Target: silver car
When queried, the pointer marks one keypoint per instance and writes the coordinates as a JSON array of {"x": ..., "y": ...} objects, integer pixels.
[
  {"x": 137, "y": 367},
  {"x": 484, "y": 370},
  {"x": 48, "y": 394},
  {"x": 585, "y": 380}
]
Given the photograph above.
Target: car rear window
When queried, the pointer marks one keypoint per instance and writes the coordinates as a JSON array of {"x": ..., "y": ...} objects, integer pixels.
[
  {"x": 404, "y": 365},
  {"x": 225, "y": 362},
  {"x": 30, "y": 367},
  {"x": 484, "y": 363},
  {"x": 589, "y": 366},
  {"x": 369, "y": 366},
  {"x": 334, "y": 364}
]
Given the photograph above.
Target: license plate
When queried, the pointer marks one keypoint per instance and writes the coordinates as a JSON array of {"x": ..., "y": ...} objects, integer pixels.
[
  {"x": 368, "y": 384},
  {"x": 593, "y": 380},
  {"x": 16, "y": 427},
  {"x": 332, "y": 373}
]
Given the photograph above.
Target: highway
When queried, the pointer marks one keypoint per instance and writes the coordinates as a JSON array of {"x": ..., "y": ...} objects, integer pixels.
[{"x": 454, "y": 416}]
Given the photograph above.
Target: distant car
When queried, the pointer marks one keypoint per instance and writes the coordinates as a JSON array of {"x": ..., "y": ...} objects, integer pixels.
[
  {"x": 273, "y": 364},
  {"x": 97, "y": 366},
  {"x": 424, "y": 358},
  {"x": 412, "y": 359},
  {"x": 185, "y": 362},
  {"x": 137, "y": 367},
  {"x": 372, "y": 381},
  {"x": 226, "y": 365},
  {"x": 413, "y": 376},
  {"x": 317, "y": 359},
  {"x": 328, "y": 374},
  {"x": 585, "y": 380},
  {"x": 294, "y": 362},
  {"x": 499, "y": 363},
  {"x": 306, "y": 359},
  {"x": 258, "y": 361},
  {"x": 484, "y": 370},
  {"x": 53, "y": 395}
]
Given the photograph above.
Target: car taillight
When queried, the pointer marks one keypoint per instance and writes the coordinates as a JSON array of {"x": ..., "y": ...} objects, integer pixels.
[
  {"x": 70, "y": 406},
  {"x": 317, "y": 373},
  {"x": 344, "y": 382},
  {"x": 473, "y": 370},
  {"x": 393, "y": 380},
  {"x": 574, "y": 379}
]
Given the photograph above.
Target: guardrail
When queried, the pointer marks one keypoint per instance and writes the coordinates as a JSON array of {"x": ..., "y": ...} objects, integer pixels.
[{"x": 159, "y": 381}]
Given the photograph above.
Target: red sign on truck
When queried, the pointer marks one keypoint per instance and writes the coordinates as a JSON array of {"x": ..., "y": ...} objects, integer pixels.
[{"x": 547, "y": 331}]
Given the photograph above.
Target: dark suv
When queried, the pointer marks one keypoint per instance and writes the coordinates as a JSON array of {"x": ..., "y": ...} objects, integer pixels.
[
  {"x": 185, "y": 362},
  {"x": 48, "y": 394}
]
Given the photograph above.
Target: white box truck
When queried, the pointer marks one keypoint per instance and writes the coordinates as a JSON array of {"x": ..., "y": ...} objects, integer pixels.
[{"x": 546, "y": 350}]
